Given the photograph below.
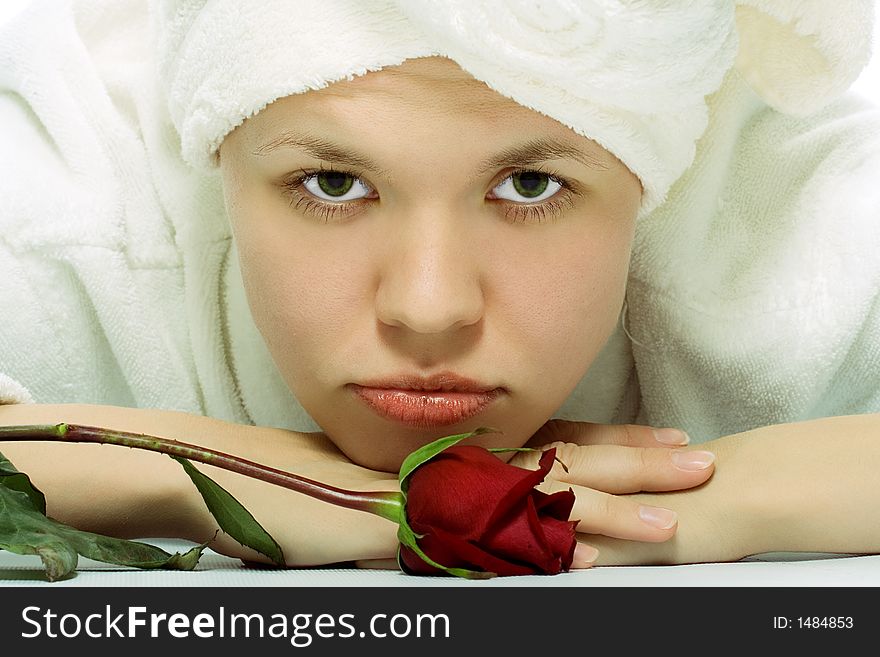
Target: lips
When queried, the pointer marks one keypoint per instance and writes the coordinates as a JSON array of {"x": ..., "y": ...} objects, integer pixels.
[{"x": 437, "y": 401}]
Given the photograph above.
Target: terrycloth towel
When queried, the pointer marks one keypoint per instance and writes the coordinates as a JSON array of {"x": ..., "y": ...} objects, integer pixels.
[
  {"x": 753, "y": 290},
  {"x": 12, "y": 392},
  {"x": 631, "y": 75},
  {"x": 754, "y": 298},
  {"x": 120, "y": 283}
]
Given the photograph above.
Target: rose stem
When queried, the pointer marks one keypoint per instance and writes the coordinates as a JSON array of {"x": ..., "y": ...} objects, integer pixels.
[{"x": 382, "y": 503}]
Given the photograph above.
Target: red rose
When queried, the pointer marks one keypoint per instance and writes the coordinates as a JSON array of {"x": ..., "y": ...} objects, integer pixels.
[{"x": 476, "y": 512}]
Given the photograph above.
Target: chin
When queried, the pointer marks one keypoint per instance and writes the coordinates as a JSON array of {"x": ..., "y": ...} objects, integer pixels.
[
  {"x": 374, "y": 450},
  {"x": 386, "y": 460},
  {"x": 386, "y": 451}
]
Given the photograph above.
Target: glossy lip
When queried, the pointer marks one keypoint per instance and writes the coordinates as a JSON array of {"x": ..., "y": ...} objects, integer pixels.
[{"x": 426, "y": 402}]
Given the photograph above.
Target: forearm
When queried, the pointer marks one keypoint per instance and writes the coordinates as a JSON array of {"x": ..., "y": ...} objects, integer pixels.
[
  {"x": 799, "y": 487},
  {"x": 132, "y": 493},
  {"x": 818, "y": 484}
]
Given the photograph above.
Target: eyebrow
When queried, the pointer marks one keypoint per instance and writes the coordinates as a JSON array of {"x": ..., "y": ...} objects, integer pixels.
[
  {"x": 540, "y": 150},
  {"x": 530, "y": 153},
  {"x": 320, "y": 149}
]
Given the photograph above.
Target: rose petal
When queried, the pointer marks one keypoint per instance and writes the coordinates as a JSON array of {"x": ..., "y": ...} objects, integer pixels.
[
  {"x": 557, "y": 505},
  {"x": 477, "y": 512},
  {"x": 460, "y": 490},
  {"x": 562, "y": 534},
  {"x": 521, "y": 538},
  {"x": 555, "y": 511},
  {"x": 521, "y": 489},
  {"x": 451, "y": 551}
]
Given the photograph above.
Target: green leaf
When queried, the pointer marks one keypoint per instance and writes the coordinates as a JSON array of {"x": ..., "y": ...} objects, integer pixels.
[
  {"x": 429, "y": 451},
  {"x": 15, "y": 480},
  {"x": 232, "y": 517},
  {"x": 25, "y": 529}
]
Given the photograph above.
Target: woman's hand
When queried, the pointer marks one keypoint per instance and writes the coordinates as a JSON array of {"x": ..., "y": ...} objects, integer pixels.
[
  {"x": 808, "y": 486},
  {"x": 605, "y": 464},
  {"x": 805, "y": 486}
]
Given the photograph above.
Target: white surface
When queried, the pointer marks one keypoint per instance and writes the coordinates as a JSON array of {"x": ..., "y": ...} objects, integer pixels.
[{"x": 214, "y": 570}]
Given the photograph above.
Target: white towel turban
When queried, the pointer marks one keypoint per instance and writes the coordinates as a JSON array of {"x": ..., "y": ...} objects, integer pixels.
[{"x": 632, "y": 75}]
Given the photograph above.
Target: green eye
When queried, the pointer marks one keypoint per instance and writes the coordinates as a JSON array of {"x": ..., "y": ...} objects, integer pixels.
[
  {"x": 530, "y": 184},
  {"x": 527, "y": 186},
  {"x": 335, "y": 183},
  {"x": 335, "y": 186}
]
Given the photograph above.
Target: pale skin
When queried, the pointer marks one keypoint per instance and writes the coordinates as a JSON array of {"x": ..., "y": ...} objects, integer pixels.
[{"x": 435, "y": 262}]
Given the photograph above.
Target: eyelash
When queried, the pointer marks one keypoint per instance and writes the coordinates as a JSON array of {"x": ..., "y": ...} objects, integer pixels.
[{"x": 515, "y": 212}]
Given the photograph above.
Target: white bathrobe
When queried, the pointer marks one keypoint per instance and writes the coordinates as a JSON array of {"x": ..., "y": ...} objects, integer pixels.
[{"x": 752, "y": 297}]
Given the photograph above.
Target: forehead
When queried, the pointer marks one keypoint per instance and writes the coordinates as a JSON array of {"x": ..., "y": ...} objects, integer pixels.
[
  {"x": 420, "y": 110},
  {"x": 435, "y": 77},
  {"x": 411, "y": 90}
]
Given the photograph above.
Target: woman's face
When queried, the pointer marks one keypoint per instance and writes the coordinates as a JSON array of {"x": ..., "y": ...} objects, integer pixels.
[{"x": 424, "y": 256}]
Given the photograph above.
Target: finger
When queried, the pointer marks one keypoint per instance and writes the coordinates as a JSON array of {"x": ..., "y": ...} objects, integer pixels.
[
  {"x": 618, "y": 552},
  {"x": 623, "y": 470},
  {"x": 598, "y": 512},
  {"x": 589, "y": 433},
  {"x": 584, "y": 556}
]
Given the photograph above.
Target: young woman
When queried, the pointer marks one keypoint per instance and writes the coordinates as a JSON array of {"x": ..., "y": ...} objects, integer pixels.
[{"x": 411, "y": 225}]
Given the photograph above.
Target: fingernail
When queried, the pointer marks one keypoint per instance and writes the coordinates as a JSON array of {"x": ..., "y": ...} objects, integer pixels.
[
  {"x": 657, "y": 517},
  {"x": 671, "y": 436},
  {"x": 692, "y": 460},
  {"x": 584, "y": 556}
]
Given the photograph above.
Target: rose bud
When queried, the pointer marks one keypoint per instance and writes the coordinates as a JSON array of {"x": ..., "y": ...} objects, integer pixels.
[{"x": 473, "y": 515}]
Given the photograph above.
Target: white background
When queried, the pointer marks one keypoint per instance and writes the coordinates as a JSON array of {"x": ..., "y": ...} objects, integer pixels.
[{"x": 868, "y": 83}]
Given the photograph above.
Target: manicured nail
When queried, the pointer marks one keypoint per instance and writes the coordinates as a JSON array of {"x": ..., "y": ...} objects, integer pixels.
[
  {"x": 657, "y": 517},
  {"x": 692, "y": 460},
  {"x": 584, "y": 556},
  {"x": 671, "y": 436}
]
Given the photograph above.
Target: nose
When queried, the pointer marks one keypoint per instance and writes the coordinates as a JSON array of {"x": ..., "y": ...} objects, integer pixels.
[{"x": 430, "y": 280}]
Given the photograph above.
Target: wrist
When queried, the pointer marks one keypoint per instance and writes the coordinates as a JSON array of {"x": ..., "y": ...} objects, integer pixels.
[
  {"x": 725, "y": 519},
  {"x": 744, "y": 496},
  {"x": 811, "y": 485}
]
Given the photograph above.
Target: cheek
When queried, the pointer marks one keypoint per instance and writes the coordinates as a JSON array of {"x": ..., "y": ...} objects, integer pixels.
[
  {"x": 304, "y": 294},
  {"x": 565, "y": 299},
  {"x": 293, "y": 290}
]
